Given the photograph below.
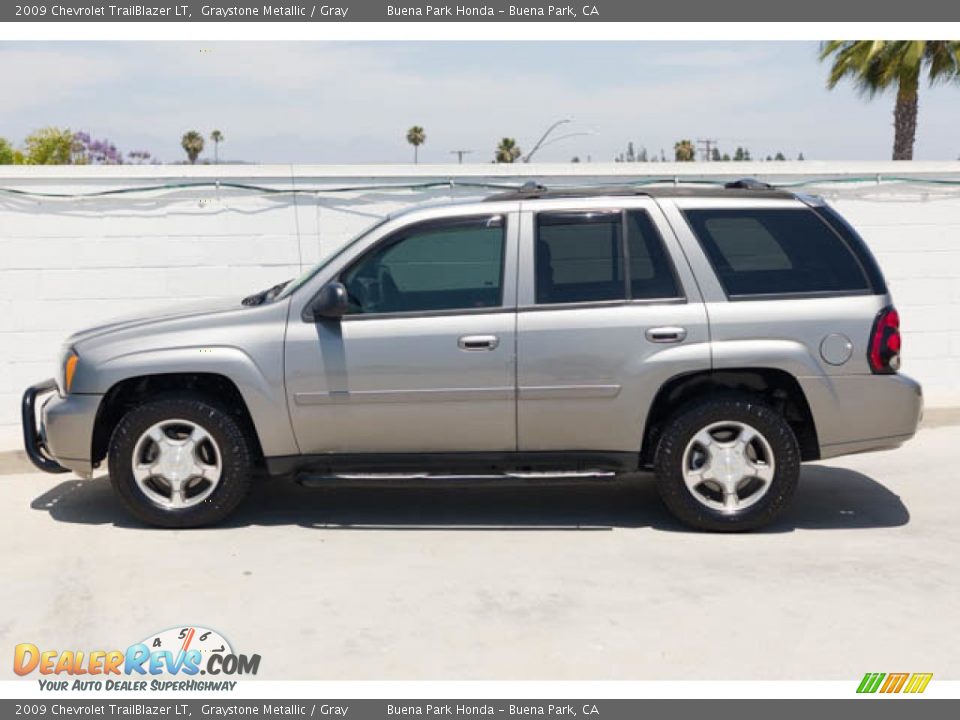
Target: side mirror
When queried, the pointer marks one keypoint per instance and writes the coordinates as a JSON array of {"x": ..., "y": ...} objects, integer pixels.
[{"x": 331, "y": 302}]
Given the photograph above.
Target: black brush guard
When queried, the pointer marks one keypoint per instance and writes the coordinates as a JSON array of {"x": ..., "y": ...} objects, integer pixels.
[{"x": 32, "y": 440}]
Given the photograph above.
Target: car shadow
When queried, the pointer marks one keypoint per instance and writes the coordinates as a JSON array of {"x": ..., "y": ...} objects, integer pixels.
[{"x": 827, "y": 498}]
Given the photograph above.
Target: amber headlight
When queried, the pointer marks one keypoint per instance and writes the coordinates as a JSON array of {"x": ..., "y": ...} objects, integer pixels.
[{"x": 68, "y": 369}]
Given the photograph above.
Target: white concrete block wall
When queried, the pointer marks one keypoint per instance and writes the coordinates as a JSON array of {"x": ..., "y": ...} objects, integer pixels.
[
  {"x": 918, "y": 246},
  {"x": 67, "y": 263}
]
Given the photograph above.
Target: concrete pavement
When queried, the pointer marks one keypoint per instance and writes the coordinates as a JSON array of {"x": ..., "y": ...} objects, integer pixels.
[{"x": 555, "y": 582}]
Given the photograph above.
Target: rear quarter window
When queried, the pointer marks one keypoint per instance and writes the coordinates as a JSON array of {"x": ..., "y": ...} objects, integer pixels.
[{"x": 759, "y": 252}]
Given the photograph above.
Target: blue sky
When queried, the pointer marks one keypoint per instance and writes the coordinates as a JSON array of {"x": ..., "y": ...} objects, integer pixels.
[{"x": 352, "y": 102}]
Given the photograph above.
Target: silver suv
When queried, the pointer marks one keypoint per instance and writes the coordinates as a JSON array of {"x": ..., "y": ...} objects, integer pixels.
[{"x": 717, "y": 337}]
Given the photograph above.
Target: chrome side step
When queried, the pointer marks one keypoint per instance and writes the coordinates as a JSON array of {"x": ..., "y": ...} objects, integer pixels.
[
  {"x": 313, "y": 479},
  {"x": 566, "y": 475}
]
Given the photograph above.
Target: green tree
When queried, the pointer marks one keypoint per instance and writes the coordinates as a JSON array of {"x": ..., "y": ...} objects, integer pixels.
[
  {"x": 192, "y": 144},
  {"x": 6, "y": 152},
  {"x": 216, "y": 137},
  {"x": 683, "y": 151},
  {"x": 779, "y": 156},
  {"x": 507, "y": 151},
  {"x": 877, "y": 65},
  {"x": 48, "y": 146},
  {"x": 416, "y": 137},
  {"x": 632, "y": 154}
]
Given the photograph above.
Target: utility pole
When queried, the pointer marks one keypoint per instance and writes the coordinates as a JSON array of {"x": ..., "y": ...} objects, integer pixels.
[
  {"x": 460, "y": 154},
  {"x": 707, "y": 148}
]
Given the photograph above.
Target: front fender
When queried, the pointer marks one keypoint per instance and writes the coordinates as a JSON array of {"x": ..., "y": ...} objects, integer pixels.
[{"x": 259, "y": 383}]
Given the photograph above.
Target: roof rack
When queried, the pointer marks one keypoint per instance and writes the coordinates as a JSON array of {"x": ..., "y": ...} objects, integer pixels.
[
  {"x": 532, "y": 187},
  {"x": 747, "y": 184},
  {"x": 533, "y": 190}
]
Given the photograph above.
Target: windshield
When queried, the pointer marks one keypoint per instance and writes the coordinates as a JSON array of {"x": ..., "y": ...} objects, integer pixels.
[{"x": 310, "y": 272}]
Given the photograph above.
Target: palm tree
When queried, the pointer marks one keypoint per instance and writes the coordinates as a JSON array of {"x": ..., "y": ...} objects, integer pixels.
[
  {"x": 416, "y": 137},
  {"x": 507, "y": 151},
  {"x": 876, "y": 65},
  {"x": 192, "y": 144},
  {"x": 684, "y": 151},
  {"x": 217, "y": 137}
]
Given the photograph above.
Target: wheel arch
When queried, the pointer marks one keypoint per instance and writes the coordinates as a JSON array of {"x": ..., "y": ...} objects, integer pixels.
[
  {"x": 131, "y": 391},
  {"x": 776, "y": 388}
]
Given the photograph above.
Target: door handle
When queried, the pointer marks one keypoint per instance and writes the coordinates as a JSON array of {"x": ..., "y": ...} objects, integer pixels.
[
  {"x": 478, "y": 342},
  {"x": 666, "y": 334}
]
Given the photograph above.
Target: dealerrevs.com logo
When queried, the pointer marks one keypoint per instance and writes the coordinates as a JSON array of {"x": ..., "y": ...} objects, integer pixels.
[
  {"x": 891, "y": 683},
  {"x": 155, "y": 663}
]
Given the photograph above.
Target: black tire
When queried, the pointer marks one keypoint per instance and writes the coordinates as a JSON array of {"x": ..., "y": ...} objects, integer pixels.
[
  {"x": 237, "y": 460},
  {"x": 679, "y": 432}
]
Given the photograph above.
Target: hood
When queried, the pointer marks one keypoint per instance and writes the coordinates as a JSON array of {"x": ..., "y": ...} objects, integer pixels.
[{"x": 173, "y": 312}]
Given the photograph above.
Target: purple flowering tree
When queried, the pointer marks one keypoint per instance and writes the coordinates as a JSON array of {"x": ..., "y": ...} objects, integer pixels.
[{"x": 90, "y": 151}]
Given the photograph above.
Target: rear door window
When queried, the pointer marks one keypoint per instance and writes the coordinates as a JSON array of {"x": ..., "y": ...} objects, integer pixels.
[
  {"x": 579, "y": 258},
  {"x": 587, "y": 257},
  {"x": 757, "y": 252}
]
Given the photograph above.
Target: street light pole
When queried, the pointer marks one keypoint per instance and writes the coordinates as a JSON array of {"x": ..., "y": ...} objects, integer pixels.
[{"x": 543, "y": 137}]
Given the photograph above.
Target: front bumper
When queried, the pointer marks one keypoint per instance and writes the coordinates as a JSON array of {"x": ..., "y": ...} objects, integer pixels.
[
  {"x": 62, "y": 440},
  {"x": 34, "y": 440}
]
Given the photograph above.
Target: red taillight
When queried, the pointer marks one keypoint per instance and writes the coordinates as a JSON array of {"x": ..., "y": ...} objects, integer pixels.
[{"x": 884, "y": 354}]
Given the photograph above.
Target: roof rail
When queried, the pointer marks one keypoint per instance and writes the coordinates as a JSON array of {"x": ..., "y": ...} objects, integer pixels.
[
  {"x": 748, "y": 184},
  {"x": 660, "y": 188},
  {"x": 532, "y": 190}
]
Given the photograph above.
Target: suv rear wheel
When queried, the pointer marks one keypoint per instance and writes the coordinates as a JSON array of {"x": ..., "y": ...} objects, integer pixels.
[
  {"x": 180, "y": 462},
  {"x": 727, "y": 464}
]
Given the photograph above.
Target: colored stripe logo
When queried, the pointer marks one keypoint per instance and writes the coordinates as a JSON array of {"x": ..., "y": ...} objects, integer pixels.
[{"x": 888, "y": 683}]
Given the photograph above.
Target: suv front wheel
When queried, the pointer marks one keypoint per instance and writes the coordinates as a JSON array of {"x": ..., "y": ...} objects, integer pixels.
[
  {"x": 727, "y": 464},
  {"x": 180, "y": 461}
]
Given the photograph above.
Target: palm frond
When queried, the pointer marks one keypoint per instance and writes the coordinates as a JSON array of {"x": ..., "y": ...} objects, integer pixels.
[{"x": 943, "y": 57}]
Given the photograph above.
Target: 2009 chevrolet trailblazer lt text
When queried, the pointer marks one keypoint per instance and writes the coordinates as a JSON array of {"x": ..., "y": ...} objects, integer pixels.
[{"x": 717, "y": 337}]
